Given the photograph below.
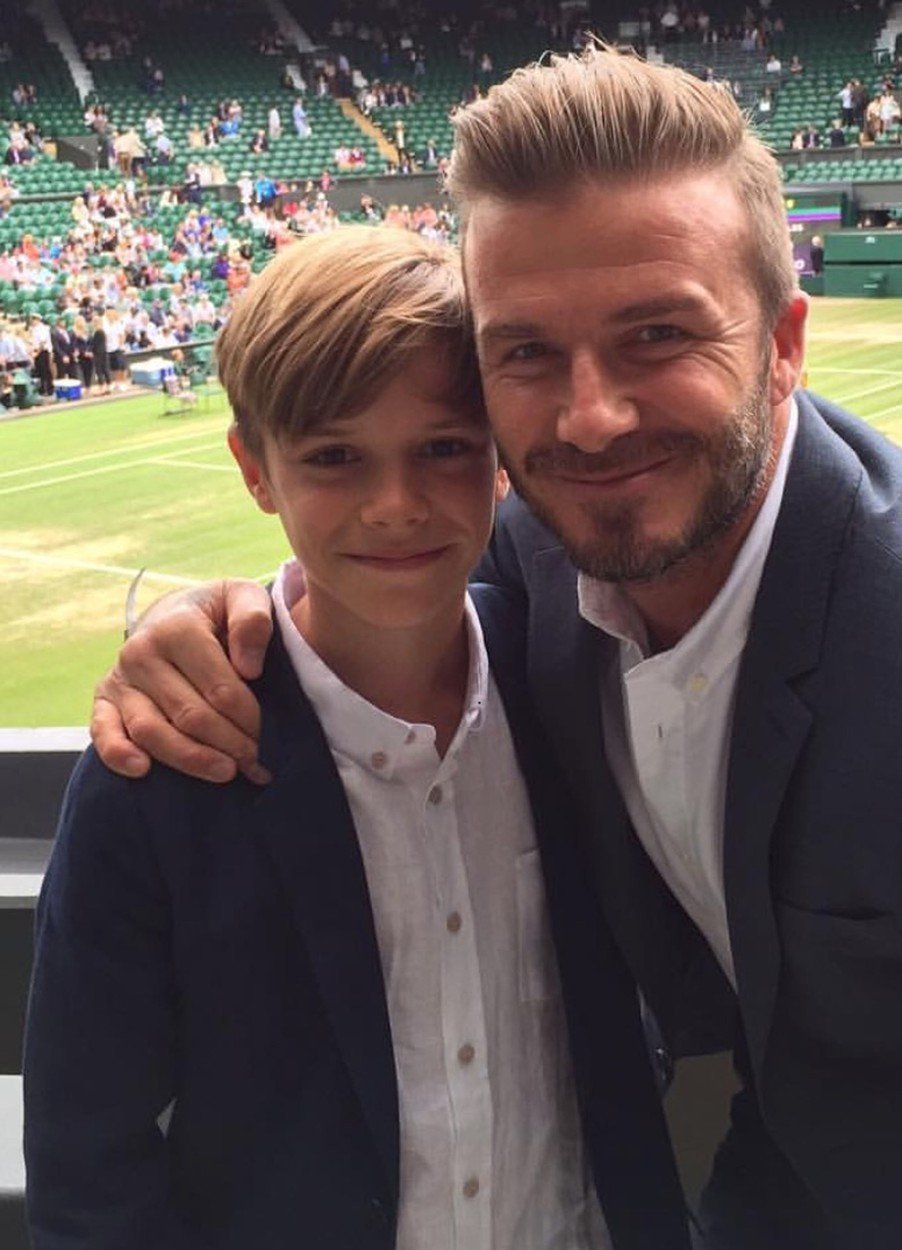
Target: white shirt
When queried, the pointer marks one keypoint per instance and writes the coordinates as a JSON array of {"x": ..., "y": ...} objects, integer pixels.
[
  {"x": 667, "y": 720},
  {"x": 491, "y": 1147}
]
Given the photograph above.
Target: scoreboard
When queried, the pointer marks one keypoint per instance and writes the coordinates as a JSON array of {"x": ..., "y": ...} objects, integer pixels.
[{"x": 809, "y": 213}]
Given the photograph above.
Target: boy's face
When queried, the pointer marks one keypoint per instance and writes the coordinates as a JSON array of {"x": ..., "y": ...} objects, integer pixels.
[{"x": 388, "y": 510}]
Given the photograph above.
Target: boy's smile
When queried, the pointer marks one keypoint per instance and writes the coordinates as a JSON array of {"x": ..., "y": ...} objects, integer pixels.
[{"x": 389, "y": 509}]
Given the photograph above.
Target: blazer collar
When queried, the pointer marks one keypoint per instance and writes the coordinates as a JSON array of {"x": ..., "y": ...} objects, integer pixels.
[{"x": 305, "y": 822}]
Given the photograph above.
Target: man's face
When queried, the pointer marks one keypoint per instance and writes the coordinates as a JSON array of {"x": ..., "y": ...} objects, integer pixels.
[
  {"x": 632, "y": 387},
  {"x": 388, "y": 510}
]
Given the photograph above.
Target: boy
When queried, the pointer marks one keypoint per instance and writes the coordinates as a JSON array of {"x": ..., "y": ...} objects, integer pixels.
[{"x": 327, "y": 1013}]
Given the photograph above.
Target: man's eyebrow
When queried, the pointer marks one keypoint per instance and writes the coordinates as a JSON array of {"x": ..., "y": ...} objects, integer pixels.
[
  {"x": 495, "y": 331},
  {"x": 661, "y": 306}
]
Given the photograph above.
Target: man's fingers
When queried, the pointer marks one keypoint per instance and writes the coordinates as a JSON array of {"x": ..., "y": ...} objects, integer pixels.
[
  {"x": 210, "y": 720},
  {"x": 147, "y": 727},
  {"x": 182, "y": 667},
  {"x": 111, "y": 741},
  {"x": 248, "y": 616}
]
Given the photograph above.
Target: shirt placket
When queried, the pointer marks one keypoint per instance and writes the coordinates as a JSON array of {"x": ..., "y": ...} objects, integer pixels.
[{"x": 462, "y": 1022}]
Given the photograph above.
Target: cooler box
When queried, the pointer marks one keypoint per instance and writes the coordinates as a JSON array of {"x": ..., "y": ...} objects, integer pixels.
[
  {"x": 151, "y": 372},
  {"x": 67, "y": 388}
]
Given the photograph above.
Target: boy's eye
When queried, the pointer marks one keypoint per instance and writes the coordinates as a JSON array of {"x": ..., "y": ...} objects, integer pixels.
[
  {"x": 328, "y": 456},
  {"x": 442, "y": 448}
]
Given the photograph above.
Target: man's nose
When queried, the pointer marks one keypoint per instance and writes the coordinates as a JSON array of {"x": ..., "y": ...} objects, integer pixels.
[
  {"x": 598, "y": 407},
  {"x": 395, "y": 498}
]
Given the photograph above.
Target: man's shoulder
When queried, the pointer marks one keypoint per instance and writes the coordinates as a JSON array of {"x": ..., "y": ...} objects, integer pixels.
[{"x": 841, "y": 448}]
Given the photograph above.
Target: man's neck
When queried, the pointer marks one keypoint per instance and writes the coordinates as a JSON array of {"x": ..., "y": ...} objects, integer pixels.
[{"x": 418, "y": 675}]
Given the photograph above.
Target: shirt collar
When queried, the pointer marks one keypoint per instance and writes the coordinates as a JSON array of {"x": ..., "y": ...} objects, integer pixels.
[
  {"x": 373, "y": 739},
  {"x": 719, "y": 635}
]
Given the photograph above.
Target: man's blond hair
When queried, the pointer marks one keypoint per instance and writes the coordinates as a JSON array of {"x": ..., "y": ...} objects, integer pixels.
[
  {"x": 332, "y": 320},
  {"x": 605, "y": 114}
]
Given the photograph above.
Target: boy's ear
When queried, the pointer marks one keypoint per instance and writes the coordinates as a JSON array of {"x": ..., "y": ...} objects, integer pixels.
[{"x": 251, "y": 470}]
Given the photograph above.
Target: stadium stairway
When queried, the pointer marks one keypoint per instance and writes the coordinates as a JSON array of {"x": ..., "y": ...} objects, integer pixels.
[{"x": 386, "y": 150}]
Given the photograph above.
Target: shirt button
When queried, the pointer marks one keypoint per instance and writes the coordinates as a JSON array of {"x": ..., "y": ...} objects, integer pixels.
[
  {"x": 466, "y": 1054},
  {"x": 698, "y": 683},
  {"x": 453, "y": 922},
  {"x": 471, "y": 1187},
  {"x": 378, "y": 759},
  {"x": 435, "y": 795}
]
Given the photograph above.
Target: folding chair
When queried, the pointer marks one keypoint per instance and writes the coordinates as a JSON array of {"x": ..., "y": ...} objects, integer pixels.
[{"x": 176, "y": 397}]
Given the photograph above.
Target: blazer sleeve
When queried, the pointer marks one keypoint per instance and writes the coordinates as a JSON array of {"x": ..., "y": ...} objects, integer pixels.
[{"x": 100, "y": 1047}]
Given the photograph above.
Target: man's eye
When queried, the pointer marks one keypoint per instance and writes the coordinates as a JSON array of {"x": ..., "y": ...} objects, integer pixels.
[
  {"x": 659, "y": 334},
  {"x": 443, "y": 448},
  {"x": 328, "y": 456},
  {"x": 525, "y": 352}
]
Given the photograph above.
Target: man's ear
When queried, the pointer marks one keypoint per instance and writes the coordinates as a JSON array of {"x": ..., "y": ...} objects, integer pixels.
[
  {"x": 788, "y": 349},
  {"x": 502, "y": 485},
  {"x": 252, "y": 471}
]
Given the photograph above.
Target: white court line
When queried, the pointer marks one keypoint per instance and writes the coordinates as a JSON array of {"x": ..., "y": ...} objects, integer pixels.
[
  {"x": 114, "y": 451},
  {"x": 74, "y": 477},
  {"x": 868, "y": 390},
  {"x": 885, "y": 412},
  {"x": 88, "y": 566},
  {"x": 176, "y": 463},
  {"x": 886, "y": 373}
]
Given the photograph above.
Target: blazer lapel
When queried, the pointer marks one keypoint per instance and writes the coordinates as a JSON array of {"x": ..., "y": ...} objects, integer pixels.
[
  {"x": 662, "y": 946},
  {"x": 771, "y": 720},
  {"x": 305, "y": 822}
]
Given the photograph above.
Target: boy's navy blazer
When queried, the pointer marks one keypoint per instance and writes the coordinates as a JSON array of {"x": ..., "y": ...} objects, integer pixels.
[
  {"x": 217, "y": 943},
  {"x": 812, "y": 831}
]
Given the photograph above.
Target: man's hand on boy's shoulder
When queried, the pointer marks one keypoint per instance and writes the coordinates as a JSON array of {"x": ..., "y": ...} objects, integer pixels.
[{"x": 177, "y": 693}]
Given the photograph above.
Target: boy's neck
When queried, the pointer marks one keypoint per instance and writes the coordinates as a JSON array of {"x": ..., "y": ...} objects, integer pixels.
[{"x": 418, "y": 675}]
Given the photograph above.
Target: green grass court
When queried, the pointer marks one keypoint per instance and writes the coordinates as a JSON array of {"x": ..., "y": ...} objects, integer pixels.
[{"x": 90, "y": 495}]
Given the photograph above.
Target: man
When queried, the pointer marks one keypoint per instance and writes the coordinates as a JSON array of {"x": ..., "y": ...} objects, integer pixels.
[{"x": 714, "y": 584}]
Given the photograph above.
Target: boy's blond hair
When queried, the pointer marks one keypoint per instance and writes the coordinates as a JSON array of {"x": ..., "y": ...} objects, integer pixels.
[
  {"x": 332, "y": 320},
  {"x": 605, "y": 114}
]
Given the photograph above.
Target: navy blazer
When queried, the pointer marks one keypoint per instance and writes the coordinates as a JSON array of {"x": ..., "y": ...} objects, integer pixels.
[
  {"x": 213, "y": 947},
  {"x": 812, "y": 844}
]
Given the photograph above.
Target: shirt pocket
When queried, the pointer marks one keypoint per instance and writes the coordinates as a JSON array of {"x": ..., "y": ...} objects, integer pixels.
[{"x": 537, "y": 970}]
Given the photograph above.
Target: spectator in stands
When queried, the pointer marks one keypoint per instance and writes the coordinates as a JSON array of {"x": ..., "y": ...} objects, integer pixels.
[
  {"x": 98, "y": 346},
  {"x": 765, "y": 106},
  {"x": 259, "y": 142},
  {"x": 795, "y": 65},
  {"x": 41, "y": 353},
  {"x": 888, "y": 112},
  {"x": 846, "y": 103},
  {"x": 817, "y": 254},
  {"x": 62, "y": 350},
  {"x": 82, "y": 351},
  {"x": 299, "y": 119},
  {"x": 811, "y": 137},
  {"x": 165, "y": 150},
  {"x": 861, "y": 98},
  {"x": 774, "y": 64},
  {"x": 274, "y": 123},
  {"x": 836, "y": 136}
]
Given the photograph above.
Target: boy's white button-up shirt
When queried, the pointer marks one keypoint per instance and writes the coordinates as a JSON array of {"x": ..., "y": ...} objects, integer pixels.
[{"x": 491, "y": 1146}]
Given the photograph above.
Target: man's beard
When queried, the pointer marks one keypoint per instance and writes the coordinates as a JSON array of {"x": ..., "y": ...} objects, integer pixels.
[{"x": 737, "y": 456}]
